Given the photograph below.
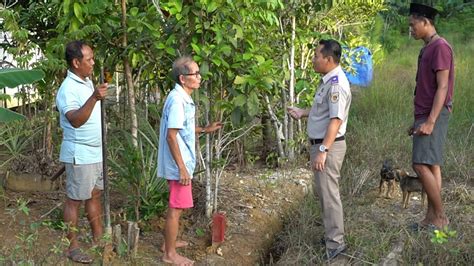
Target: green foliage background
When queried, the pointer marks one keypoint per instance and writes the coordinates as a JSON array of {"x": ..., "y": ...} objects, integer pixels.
[{"x": 243, "y": 48}]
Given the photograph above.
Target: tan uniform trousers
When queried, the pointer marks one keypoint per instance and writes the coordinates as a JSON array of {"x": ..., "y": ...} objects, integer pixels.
[{"x": 326, "y": 184}]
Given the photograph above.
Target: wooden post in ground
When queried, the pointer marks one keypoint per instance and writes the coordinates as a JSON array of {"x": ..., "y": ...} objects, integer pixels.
[
  {"x": 117, "y": 236},
  {"x": 108, "y": 253},
  {"x": 132, "y": 238}
]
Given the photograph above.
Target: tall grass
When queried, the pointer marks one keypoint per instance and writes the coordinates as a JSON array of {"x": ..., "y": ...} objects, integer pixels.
[{"x": 379, "y": 119}]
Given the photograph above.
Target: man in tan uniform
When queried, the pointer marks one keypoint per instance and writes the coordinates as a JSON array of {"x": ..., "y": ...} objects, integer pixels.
[{"x": 327, "y": 122}]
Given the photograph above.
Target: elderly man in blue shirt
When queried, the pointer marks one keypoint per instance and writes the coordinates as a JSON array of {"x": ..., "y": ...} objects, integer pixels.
[
  {"x": 78, "y": 103},
  {"x": 177, "y": 154}
]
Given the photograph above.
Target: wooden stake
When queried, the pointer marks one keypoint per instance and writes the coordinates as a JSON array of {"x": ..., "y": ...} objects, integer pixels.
[
  {"x": 117, "y": 236},
  {"x": 132, "y": 238},
  {"x": 108, "y": 228}
]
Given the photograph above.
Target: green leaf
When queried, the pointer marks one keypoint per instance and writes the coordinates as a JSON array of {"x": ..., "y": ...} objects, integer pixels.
[
  {"x": 268, "y": 81},
  {"x": 12, "y": 77},
  {"x": 247, "y": 56},
  {"x": 211, "y": 7},
  {"x": 134, "y": 11},
  {"x": 78, "y": 12},
  {"x": 74, "y": 25},
  {"x": 135, "y": 59},
  {"x": 179, "y": 6},
  {"x": 170, "y": 50},
  {"x": 204, "y": 68},
  {"x": 239, "y": 34},
  {"x": 239, "y": 80},
  {"x": 252, "y": 81},
  {"x": 240, "y": 100},
  {"x": 149, "y": 26},
  {"x": 8, "y": 115},
  {"x": 253, "y": 104},
  {"x": 196, "y": 48},
  {"x": 66, "y": 5},
  {"x": 200, "y": 232},
  {"x": 216, "y": 61},
  {"x": 226, "y": 50},
  {"x": 260, "y": 59},
  {"x": 160, "y": 45},
  {"x": 236, "y": 116}
]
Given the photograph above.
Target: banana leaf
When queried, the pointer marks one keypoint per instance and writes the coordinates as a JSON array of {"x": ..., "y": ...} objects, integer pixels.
[
  {"x": 8, "y": 115},
  {"x": 12, "y": 77}
]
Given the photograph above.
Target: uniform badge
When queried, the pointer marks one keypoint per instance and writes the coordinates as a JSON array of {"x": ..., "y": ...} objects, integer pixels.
[
  {"x": 335, "y": 97},
  {"x": 334, "y": 80}
]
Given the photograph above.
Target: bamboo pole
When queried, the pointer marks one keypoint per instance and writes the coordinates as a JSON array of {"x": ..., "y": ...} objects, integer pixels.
[{"x": 108, "y": 227}]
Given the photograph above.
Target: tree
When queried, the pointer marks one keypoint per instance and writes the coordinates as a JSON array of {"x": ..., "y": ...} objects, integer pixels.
[{"x": 254, "y": 58}]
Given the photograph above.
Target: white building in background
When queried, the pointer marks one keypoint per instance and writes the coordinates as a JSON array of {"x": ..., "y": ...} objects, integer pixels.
[{"x": 7, "y": 60}]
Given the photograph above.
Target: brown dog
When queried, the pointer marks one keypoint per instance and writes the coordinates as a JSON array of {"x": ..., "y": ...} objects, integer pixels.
[
  {"x": 387, "y": 176},
  {"x": 409, "y": 184}
]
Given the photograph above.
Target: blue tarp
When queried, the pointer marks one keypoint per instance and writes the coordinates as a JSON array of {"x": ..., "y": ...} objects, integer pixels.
[{"x": 361, "y": 66}]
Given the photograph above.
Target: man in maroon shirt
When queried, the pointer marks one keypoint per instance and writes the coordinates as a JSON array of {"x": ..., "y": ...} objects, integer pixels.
[{"x": 433, "y": 105}]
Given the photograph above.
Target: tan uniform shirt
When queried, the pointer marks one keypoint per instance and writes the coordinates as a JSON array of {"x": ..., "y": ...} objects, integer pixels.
[{"x": 332, "y": 100}]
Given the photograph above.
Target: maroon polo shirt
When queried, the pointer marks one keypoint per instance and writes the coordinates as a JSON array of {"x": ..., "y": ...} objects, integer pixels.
[{"x": 434, "y": 57}]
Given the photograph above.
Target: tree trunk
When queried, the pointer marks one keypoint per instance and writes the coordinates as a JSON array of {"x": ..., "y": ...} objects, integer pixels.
[
  {"x": 128, "y": 78},
  {"x": 207, "y": 163},
  {"x": 266, "y": 136},
  {"x": 277, "y": 126},
  {"x": 217, "y": 155},
  {"x": 48, "y": 134},
  {"x": 290, "y": 147},
  {"x": 48, "y": 138},
  {"x": 286, "y": 118}
]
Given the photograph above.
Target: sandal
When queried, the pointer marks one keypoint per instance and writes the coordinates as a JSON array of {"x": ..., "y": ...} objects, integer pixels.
[
  {"x": 418, "y": 227},
  {"x": 77, "y": 255}
]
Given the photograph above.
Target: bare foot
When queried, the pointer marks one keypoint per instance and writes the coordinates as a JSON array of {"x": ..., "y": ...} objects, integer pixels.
[
  {"x": 429, "y": 217},
  {"x": 179, "y": 244},
  {"x": 438, "y": 222},
  {"x": 441, "y": 222},
  {"x": 177, "y": 259}
]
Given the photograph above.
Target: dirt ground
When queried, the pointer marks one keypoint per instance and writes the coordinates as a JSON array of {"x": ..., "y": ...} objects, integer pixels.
[
  {"x": 256, "y": 205},
  {"x": 259, "y": 206}
]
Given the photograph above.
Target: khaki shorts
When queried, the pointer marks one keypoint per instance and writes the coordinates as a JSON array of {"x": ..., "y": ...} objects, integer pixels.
[
  {"x": 81, "y": 180},
  {"x": 428, "y": 149}
]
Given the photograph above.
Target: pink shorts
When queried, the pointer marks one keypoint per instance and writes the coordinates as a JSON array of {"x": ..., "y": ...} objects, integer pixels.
[{"x": 181, "y": 197}]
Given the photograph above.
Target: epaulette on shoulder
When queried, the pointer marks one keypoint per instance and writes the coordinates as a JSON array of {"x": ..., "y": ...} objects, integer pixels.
[{"x": 334, "y": 80}]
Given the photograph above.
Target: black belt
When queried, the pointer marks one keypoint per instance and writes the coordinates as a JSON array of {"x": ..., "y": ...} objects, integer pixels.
[{"x": 319, "y": 141}]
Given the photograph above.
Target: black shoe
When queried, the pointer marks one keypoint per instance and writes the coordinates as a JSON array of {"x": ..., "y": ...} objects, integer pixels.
[{"x": 333, "y": 253}]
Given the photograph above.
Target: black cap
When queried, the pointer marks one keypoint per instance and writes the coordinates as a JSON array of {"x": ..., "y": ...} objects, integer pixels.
[{"x": 423, "y": 10}]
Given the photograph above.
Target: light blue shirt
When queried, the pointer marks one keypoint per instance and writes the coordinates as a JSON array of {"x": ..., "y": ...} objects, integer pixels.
[
  {"x": 178, "y": 113},
  {"x": 81, "y": 145}
]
